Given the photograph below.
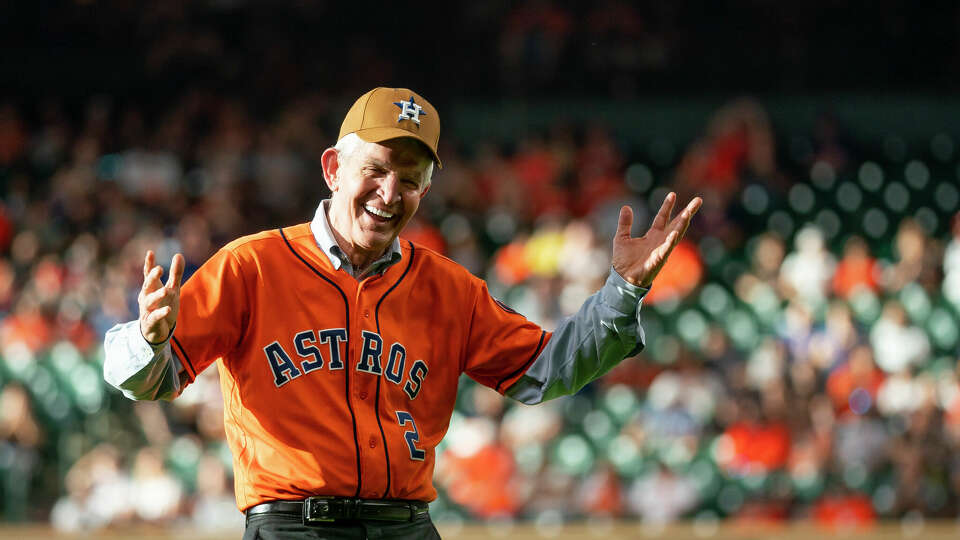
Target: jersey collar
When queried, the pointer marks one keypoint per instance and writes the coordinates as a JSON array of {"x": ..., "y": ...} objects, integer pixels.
[{"x": 320, "y": 226}]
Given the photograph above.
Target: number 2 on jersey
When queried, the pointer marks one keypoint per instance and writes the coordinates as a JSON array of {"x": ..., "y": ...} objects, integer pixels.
[{"x": 412, "y": 436}]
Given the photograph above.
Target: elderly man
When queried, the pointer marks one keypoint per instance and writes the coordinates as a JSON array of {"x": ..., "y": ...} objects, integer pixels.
[{"x": 340, "y": 346}]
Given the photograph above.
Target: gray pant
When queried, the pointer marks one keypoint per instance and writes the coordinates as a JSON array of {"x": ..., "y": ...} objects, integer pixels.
[{"x": 282, "y": 527}]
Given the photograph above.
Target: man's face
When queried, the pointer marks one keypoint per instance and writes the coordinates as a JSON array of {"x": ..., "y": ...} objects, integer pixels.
[{"x": 376, "y": 190}]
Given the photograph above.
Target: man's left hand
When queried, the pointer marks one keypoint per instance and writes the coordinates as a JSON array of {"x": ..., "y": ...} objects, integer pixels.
[{"x": 639, "y": 260}]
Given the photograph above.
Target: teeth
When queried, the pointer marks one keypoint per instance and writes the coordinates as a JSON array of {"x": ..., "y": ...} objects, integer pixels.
[{"x": 378, "y": 212}]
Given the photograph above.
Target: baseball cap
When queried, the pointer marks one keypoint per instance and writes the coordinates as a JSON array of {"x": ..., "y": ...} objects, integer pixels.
[{"x": 389, "y": 113}]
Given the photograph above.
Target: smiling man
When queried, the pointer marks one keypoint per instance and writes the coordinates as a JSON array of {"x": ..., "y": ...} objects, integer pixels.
[{"x": 340, "y": 347}]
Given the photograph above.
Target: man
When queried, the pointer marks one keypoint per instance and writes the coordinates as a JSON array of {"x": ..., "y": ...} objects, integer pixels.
[{"x": 339, "y": 346}]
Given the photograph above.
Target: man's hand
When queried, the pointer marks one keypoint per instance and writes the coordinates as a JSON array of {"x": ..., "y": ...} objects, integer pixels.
[
  {"x": 639, "y": 260},
  {"x": 159, "y": 302}
]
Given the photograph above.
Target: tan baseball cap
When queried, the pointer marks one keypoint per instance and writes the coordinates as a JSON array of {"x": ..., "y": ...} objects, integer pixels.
[{"x": 388, "y": 113}]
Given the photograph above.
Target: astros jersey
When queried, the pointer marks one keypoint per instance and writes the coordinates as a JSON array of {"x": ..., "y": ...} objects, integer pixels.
[{"x": 338, "y": 387}]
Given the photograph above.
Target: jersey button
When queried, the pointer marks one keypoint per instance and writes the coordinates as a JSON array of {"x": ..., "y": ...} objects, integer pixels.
[
  {"x": 373, "y": 442},
  {"x": 363, "y": 395},
  {"x": 366, "y": 313}
]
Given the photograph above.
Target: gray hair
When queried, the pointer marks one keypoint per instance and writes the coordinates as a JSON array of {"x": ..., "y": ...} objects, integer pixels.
[{"x": 348, "y": 145}]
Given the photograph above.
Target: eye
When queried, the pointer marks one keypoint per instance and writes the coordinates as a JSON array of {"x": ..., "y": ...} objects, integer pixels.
[
  {"x": 410, "y": 184},
  {"x": 374, "y": 170}
]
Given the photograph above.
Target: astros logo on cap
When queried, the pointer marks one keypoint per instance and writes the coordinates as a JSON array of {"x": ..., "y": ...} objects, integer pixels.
[{"x": 409, "y": 111}]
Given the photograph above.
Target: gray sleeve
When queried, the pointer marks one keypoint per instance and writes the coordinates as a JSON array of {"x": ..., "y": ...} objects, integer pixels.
[
  {"x": 140, "y": 370},
  {"x": 587, "y": 344}
]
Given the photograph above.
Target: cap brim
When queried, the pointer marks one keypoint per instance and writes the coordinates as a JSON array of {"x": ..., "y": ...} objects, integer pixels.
[{"x": 380, "y": 134}]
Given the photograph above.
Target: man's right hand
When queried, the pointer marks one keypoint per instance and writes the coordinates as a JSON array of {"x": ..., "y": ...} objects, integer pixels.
[{"x": 159, "y": 302}]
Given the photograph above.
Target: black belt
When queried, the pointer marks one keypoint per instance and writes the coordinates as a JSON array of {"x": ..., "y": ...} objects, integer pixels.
[{"x": 327, "y": 509}]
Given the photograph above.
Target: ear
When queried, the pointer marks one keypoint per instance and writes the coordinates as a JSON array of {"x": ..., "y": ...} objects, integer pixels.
[
  {"x": 330, "y": 162},
  {"x": 425, "y": 190}
]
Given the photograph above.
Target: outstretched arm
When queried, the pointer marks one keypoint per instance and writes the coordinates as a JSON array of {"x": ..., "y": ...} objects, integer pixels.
[{"x": 606, "y": 329}]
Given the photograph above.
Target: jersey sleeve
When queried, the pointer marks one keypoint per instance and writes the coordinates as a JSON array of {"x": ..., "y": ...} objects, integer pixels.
[
  {"x": 214, "y": 313},
  {"x": 501, "y": 343},
  {"x": 605, "y": 330}
]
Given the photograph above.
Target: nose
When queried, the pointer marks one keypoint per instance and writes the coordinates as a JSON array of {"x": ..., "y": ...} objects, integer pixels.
[{"x": 389, "y": 190}]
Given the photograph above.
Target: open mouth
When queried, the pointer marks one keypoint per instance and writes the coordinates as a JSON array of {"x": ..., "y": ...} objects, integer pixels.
[{"x": 378, "y": 215}]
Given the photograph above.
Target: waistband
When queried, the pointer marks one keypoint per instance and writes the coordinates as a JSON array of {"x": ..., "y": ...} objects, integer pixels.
[{"x": 328, "y": 509}]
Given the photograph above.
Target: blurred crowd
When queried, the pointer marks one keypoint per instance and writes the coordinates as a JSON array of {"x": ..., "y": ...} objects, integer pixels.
[
  {"x": 272, "y": 51},
  {"x": 801, "y": 357}
]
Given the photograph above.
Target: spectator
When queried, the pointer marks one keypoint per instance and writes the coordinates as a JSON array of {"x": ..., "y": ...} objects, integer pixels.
[
  {"x": 214, "y": 506},
  {"x": 155, "y": 494},
  {"x": 855, "y": 384},
  {"x": 896, "y": 344},
  {"x": 20, "y": 440},
  {"x": 662, "y": 496},
  {"x": 806, "y": 271},
  {"x": 917, "y": 259},
  {"x": 856, "y": 271}
]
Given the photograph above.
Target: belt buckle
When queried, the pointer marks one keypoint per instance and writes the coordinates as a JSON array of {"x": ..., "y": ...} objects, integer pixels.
[{"x": 318, "y": 510}]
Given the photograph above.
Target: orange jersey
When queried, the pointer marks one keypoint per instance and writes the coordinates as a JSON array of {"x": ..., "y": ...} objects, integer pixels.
[{"x": 337, "y": 387}]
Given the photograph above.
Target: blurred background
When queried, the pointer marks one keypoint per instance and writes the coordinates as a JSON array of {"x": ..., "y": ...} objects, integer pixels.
[{"x": 802, "y": 343}]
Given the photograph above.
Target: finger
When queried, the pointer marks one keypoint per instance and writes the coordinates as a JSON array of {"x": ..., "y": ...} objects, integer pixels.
[
  {"x": 152, "y": 280},
  {"x": 176, "y": 271},
  {"x": 663, "y": 215},
  {"x": 662, "y": 253},
  {"x": 625, "y": 223},
  {"x": 148, "y": 261},
  {"x": 682, "y": 221},
  {"x": 672, "y": 240}
]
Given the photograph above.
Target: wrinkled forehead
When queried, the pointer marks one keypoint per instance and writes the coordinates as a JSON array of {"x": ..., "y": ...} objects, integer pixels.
[{"x": 402, "y": 153}]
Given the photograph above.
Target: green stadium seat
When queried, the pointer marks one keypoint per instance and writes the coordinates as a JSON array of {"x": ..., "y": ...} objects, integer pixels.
[
  {"x": 942, "y": 328},
  {"x": 621, "y": 402},
  {"x": 870, "y": 176},
  {"x": 849, "y": 197},
  {"x": 866, "y": 307},
  {"x": 626, "y": 456},
  {"x": 896, "y": 197},
  {"x": 947, "y": 196},
  {"x": 573, "y": 454},
  {"x": 781, "y": 222},
  {"x": 19, "y": 362},
  {"x": 915, "y": 302},
  {"x": 692, "y": 327},
  {"x": 928, "y": 219},
  {"x": 599, "y": 428},
  {"x": 917, "y": 175},
  {"x": 823, "y": 176},
  {"x": 755, "y": 199},
  {"x": 875, "y": 224},
  {"x": 715, "y": 300},
  {"x": 829, "y": 223},
  {"x": 742, "y": 329},
  {"x": 802, "y": 199}
]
